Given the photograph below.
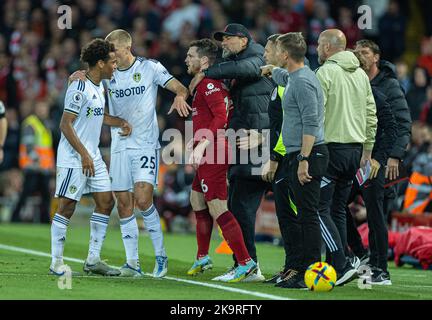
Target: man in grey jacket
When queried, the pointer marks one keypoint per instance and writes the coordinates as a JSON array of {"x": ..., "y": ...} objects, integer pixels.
[{"x": 306, "y": 153}]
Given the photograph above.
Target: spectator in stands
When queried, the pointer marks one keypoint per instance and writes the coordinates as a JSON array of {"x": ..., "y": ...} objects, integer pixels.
[
  {"x": 392, "y": 27},
  {"x": 403, "y": 76},
  {"x": 319, "y": 22},
  {"x": 286, "y": 18},
  {"x": 348, "y": 26},
  {"x": 3, "y": 129},
  {"x": 420, "y": 140},
  {"x": 416, "y": 96},
  {"x": 426, "y": 114},
  {"x": 146, "y": 10},
  {"x": 187, "y": 12},
  {"x": 425, "y": 58},
  {"x": 10, "y": 148},
  {"x": 7, "y": 82}
]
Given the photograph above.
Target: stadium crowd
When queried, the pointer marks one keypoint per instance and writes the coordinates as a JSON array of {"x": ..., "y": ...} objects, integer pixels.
[{"x": 36, "y": 58}]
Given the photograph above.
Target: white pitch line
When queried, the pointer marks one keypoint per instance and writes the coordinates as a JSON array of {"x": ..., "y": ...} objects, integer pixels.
[{"x": 209, "y": 285}]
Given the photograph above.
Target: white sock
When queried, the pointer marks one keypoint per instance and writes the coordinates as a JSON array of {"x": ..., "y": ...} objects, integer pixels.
[
  {"x": 98, "y": 228},
  {"x": 58, "y": 238},
  {"x": 129, "y": 231},
  {"x": 153, "y": 226}
]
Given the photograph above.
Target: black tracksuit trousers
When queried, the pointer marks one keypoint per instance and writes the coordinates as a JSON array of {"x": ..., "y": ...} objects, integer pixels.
[
  {"x": 373, "y": 196},
  {"x": 244, "y": 198},
  {"x": 335, "y": 190},
  {"x": 286, "y": 211},
  {"x": 303, "y": 235}
]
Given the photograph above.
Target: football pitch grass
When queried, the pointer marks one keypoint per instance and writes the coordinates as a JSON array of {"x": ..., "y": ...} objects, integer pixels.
[{"x": 24, "y": 263}]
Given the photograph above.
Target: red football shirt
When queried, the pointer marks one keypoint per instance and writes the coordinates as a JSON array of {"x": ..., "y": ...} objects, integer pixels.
[{"x": 211, "y": 106}]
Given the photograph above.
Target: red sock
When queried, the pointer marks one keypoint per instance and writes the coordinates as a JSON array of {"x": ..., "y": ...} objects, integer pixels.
[
  {"x": 204, "y": 227},
  {"x": 233, "y": 235}
]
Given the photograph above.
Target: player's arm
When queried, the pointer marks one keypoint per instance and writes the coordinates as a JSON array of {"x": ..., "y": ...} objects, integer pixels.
[
  {"x": 118, "y": 122},
  {"x": 218, "y": 105},
  {"x": 66, "y": 127},
  {"x": 182, "y": 94},
  {"x": 218, "y": 109},
  {"x": 245, "y": 69}
]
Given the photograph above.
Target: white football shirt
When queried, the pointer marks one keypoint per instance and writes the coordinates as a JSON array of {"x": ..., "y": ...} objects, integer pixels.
[
  {"x": 132, "y": 96},
  {"x": 86, "y": 100}
]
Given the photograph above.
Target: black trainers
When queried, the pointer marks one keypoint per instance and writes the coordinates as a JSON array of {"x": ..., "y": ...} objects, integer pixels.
[
  {"x": 348, "y": 274},
  {"x": 355, "y": 262},
  {"x": 273, "y": 279},
  {"x": 364, "y": 260},
  {"x": 277, "y": 277},
  {"x": 379, "y": 277},
  {"x": 293, "y": 280}
]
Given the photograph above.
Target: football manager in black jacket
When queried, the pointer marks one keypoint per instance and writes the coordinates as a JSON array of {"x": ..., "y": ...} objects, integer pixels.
[
  {"x": 240, "y": 67},
  {"x": 385, "y": 79}
]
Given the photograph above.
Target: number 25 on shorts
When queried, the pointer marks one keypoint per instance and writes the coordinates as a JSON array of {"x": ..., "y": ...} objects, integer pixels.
[{"x": 145, "y": 160}]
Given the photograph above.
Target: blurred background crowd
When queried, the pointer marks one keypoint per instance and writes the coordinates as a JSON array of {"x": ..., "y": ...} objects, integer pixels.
[{"x": 36, "y": 58}]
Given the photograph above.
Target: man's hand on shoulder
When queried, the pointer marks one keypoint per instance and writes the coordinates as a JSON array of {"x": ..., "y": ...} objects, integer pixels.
[
  {"x": 195, "y": 81},
  {"x": 266, "y": 71},
  {"x": 77, "y": 75}
]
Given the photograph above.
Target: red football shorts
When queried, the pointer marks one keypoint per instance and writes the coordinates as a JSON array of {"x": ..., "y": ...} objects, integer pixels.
[{"x": 211, "y": 179}]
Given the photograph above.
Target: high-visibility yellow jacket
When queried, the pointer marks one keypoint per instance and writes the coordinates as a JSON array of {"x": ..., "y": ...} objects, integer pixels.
[
  {"x": 43, "y": 146},
  {"x": 418, "y": 193}
]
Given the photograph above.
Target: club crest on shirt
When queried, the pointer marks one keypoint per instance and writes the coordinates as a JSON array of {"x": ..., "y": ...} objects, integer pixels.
[
  {"x": 72, "y": 189},
  {"x": 137, "y": 77},
  {"x": 211, "y": 89}
]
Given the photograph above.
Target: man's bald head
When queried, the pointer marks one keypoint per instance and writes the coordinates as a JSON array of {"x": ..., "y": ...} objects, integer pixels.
[
  {"x": 335, "y": 38},
  {"x": 330, "y": 41}
]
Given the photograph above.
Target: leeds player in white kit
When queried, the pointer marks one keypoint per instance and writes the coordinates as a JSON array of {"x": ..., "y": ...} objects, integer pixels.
[
  {"x": 80, "y": 168},
  {"x": 135, "y": 159}
]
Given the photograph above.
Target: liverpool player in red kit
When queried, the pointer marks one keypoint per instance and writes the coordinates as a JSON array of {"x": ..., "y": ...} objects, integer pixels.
[{"x": 210, "y": 107}]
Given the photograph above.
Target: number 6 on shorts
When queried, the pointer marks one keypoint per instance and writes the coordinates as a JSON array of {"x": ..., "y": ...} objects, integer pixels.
[{"x": 204, "y": 186}]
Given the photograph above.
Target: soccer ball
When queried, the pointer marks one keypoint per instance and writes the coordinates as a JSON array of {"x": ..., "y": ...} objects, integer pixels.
[{"x": 320, "y": 276}]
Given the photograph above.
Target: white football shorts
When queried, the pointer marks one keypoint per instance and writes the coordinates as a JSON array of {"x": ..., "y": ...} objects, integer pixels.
[
  {"x": 72, "y": 183},
  {"x": 130, "y": 166}
]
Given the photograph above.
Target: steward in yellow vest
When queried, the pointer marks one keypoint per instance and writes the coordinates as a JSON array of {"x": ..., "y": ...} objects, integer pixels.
[
  {"x": 36, "y": 146},
  {"x": 36, "y": 158}
]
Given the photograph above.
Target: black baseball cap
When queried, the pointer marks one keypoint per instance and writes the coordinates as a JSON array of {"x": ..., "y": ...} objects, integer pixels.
[{"x": 232, "y": 29}]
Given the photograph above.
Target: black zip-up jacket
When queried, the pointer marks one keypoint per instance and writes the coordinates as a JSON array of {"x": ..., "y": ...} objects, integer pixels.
[
  {"x": 386, "y": 134},
  {"x": 249, "y": 91},
  {"x": 275, "y": 112},
  {"x": 386, "y": 81}
]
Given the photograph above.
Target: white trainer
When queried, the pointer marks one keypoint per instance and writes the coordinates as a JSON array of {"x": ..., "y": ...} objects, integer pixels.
[
  {"x": 226, "y": 276},
  {"x": 161, "y": 267}
]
